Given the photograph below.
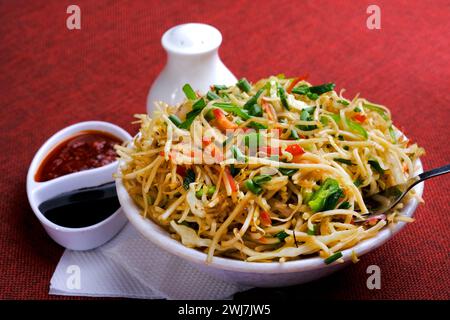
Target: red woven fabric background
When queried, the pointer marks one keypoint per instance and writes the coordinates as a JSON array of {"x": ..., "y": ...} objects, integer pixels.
[{"x": 51, "y": 77}]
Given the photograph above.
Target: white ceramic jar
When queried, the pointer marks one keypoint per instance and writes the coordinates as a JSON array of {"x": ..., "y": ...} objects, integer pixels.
[{"x": 192, "y": 57}]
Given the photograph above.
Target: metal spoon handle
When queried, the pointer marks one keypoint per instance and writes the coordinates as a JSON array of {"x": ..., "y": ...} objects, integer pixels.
[{"x": 434, "y": 172}]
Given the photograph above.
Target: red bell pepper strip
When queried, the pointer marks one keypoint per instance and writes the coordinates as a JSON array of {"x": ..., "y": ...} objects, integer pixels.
[
  {"x": 222, "y": 122},
  {"x": 295, "y": 149},
  {"x": 295, "y": 81},
  {"x": 265, "y": 218},
  {"x": 360, "y": 118},
  {"x": 267, "y": 109},
  {"x": 231, "y": 181}
]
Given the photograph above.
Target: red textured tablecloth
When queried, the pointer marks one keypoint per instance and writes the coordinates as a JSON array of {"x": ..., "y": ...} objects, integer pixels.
[{"x": 51, "y": 77}]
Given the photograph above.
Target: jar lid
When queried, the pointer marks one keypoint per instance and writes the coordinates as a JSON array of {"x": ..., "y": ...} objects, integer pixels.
[{"x": 191, "y": 38}]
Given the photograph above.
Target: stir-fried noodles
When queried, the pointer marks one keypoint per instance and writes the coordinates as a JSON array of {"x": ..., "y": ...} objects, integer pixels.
[{"x": 266, "y": 172}]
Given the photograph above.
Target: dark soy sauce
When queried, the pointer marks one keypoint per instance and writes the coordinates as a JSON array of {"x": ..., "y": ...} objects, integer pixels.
[{"x": 83, "y": 207}]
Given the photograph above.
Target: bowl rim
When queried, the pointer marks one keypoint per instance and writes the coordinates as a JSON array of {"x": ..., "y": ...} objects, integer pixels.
[{"x": 161, "y": 238}]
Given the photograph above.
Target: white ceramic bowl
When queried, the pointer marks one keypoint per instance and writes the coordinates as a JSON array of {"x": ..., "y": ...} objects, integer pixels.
[
  {"x": 75, "y": 238},
  {"x": 257, "y": 274}
]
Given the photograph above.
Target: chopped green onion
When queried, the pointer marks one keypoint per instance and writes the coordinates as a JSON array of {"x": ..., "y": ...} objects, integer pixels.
[
  {"x": 209, "y": 192},
  {"x": 358, "y": 182},
  {"x": 294, "y": 135},
  {"x": 346, "y": 161},
  {"x": 219, "y": 87},
  {"x": 176, "y": 121},
  {"x": 244, "y": 85},
  {"x": 283, "y": 97},
  {"x": 199, "y": 104},
  {"x": 312, "y": 96},
  {"x": 189, "y": 92},
  {"x": 251, "y": 186},
  {"x": 287, "y": 172},
  {"x": 234, "y": 109},
  {"x": 282, "y": 235},
  {"x": 323, "y": 88},
  {"x": 357, "y": 109},
  {"x": 253, "y": 100},
  {"x": 234, "y": 171},
  {"x": 392, "y": 134},
  {"x": 301, "y": 89},
  {"x": 237, "y": 154},
  {"x": 313, "y": 92},
  {"x": 344, "y": 102},
  {"x": 376, "y": 165},
  {"x": 190, "y": 116},
  {"x": 212, "y": 96},
  {"x": 261, "y": 179},
  {"x": 307, "y": 115},
  {"x": 255, "y": 110},
  {"x": 257, "y": 125},
  {"x": 189, "y": 178},
  {"x": 345, "y": 205},
  {"x": 313, "y": 231},
  {"x": 333, "y": 258}
]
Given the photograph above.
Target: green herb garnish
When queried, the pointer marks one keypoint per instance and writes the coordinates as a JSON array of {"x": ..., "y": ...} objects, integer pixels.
[
  {"x": 343, "y": 102},
  {"x": 209, "y": 191},
  {"x": 344, "y": 205},
  {"x": 376, "y": 166},
  {"x": 261, "y": 179},
  {"x": 282, "y": 235},
  {"x": 287, "y": 172},
  {"x": 176, "y": 121},
  {"x": 212, "y": 96},
  {"x": 220, "y": 87},
  {"x": 253, "y": 100},
  {"x": 237, "y": 154},
  {"x": 257, "y": 125},
  {"x": 251, "y": 186},
  {"x": 189, "y": 178},
  {"x": 234, "y": 109},
  {"x": 244, "y": 85},
  {"x": 315, "y": 91},
  {"x": 346, "y": 161},
  {"x": 333, "y": 258},
  {"x": 189, "y": 92},
  {"x": 283, "y": 97},
  {"x": 307, "y": 115}
]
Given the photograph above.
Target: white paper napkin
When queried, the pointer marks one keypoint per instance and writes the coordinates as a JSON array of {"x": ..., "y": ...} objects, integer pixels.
[{"x": 133, "y": 267}]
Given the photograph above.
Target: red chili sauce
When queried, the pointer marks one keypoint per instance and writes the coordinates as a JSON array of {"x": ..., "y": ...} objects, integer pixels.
[{"x": 85, "y": 150}]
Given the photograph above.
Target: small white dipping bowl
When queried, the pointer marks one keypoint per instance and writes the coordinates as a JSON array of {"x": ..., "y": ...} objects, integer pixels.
[
  {"x": 75, "y": 238},
  {"x": 257, "y": 274}
]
